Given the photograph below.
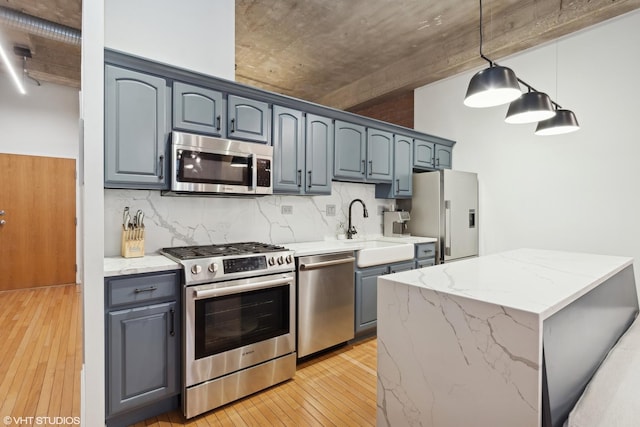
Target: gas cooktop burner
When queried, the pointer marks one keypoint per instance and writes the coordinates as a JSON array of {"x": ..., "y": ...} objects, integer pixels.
[{"x": 243, "y": 248}]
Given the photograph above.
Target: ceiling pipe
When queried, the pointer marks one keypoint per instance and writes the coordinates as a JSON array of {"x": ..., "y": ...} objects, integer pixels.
[{"x": 39, "y": 27}]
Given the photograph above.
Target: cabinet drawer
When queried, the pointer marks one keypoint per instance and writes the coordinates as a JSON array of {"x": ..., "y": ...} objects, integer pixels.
[
  {"x": 425, "y": 250},
  {"x": 145, "y": 289}
]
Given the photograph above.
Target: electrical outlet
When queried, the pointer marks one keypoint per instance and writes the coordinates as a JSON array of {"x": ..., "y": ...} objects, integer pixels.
[
  {"x": 331, "y": 210},
  {"x": 286, "y": 210}
]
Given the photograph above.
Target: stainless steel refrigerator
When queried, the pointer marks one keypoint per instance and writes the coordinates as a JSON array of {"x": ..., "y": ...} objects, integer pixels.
[{"x": 445, "y": 205}]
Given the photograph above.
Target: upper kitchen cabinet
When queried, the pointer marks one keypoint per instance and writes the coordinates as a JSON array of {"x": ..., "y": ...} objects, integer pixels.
[
  {"x": 402, "y": 184},
  {"x": 137, "y": 126},
  {"x": 423, "y": 154},
  {"x": 379, "y": 156},
  {"x": 362, "y": 154},
  {"x": 319, "y": 143},
  {"x": 198, "y": 109},
  {"x": 350, "y": 151},
  {"x": 288, "y": 150},
  {"x": 442, "y": 157},
  {"x": 248, "y": 119},
  {"x": 301, "y": 146}
]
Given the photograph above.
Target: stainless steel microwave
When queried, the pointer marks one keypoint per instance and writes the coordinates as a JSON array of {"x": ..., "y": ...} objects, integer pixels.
[{"x": 207, "y": 165}]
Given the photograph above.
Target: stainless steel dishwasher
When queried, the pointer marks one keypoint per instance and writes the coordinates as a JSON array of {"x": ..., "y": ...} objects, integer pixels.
[{"x": 326, "y": 301}]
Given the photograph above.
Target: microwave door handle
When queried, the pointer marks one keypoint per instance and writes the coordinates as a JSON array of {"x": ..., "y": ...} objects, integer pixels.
[{"x": 254, "y": 173}]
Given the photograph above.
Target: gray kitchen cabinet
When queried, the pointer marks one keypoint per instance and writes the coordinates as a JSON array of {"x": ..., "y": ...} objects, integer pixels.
[
  {"x": 248, "y": 119},
  {"x": 423, "y": 154},
  {"x": 425, "y": 254},
  {"x": 362, "y": 154},
  {"x": 288, "y": 150},
  {"x": 402, "y": 166},
  {"x": 302, "y": 145},
  {"x": 198, "y": 109},
  {"x": 442, "y": 157},
  {"x": 367, "y": 293},
  {"x": 350, "y": 151},
  {"x": 318, "y": 154},
  {"x": 137, "y": 126},
  {"x": 379, "y": 156},
  {"x": 367, "y": 298},
  {"x": 142, "y": 346}
]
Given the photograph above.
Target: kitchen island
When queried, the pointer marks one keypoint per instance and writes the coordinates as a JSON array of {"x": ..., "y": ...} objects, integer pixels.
[{"x": 500, "y": 340}]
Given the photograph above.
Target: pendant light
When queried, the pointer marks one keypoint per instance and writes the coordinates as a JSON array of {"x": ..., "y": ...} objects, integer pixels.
[
  {"x": 492, "y": 86},
  {"x": 563, "y": 122},
  {"x": 531, "y": 107}
]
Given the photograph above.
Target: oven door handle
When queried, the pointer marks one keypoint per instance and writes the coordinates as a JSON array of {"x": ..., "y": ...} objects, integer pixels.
[{"x": 218, "y": 292}]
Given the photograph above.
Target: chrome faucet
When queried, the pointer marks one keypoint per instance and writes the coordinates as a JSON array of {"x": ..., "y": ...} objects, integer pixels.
[{"x": 351, "y": 230}]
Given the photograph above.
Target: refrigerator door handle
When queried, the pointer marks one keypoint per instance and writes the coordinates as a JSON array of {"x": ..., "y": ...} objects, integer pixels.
[{"x": 447, "y": 227}]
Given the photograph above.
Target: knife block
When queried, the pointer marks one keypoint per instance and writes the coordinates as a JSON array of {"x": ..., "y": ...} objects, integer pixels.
[{"x": 132, "y": 243}]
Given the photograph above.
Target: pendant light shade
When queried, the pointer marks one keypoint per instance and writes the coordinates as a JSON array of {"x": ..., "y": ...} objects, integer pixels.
[
  {"x": 530, "y": 107},
  {"x": 492, "y": 86},
  {"x": 563, "y": 122}
]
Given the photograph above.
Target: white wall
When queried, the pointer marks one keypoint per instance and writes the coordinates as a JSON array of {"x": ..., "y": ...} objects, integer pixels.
[
  {"x": 44, "y": 122},
  {"x": 577, "y": 192},
  {"x": 198, "y": 35}
]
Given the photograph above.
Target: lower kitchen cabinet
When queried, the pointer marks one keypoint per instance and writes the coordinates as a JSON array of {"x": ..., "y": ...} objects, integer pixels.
[
  {"x": 367, "y": 293},
  {"x": 142, "y": 346}
]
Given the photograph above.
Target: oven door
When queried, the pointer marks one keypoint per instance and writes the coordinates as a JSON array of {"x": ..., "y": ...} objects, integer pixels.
[{"x": 237, "y": 324}]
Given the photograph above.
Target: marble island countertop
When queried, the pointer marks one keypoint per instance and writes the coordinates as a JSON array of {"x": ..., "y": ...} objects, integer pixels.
[{"x": 531, "y": 280}]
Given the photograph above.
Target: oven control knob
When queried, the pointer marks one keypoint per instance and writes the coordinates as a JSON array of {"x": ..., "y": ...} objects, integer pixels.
[
  {"x": 272, "y": 261},
  {"x": 289, "y": 259},
  {"x": 280, "y": 260},
  {"x": 213, "y": 267},
  {"x": 196, "y": 269}
]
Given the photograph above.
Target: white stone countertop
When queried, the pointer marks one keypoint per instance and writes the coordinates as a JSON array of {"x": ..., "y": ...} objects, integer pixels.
[
  {"x": 119, "y": 266},
  {"x": 331, "y": 246},
  {"x": 537, "y": 281}
]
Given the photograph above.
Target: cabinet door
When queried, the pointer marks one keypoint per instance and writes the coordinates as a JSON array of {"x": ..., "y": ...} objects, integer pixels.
[
  {"x": 248, "y": 119},
  {"x": 443, "y": 157},
  {"x": 402, "y": 266},
  {"x": 421, "y": 263},
  {"x": 367, "y": 298},
  {"x": 136, "y": 129},
  {"x": 198, "y": 109},
  {"x": 288, "y": 150},
  {"x": 349, "y": 151},
  {"x": 423, "y": 154},
  {"x": 403, "y": 166},
  {"x": 379, "y": 156},
  {"x": 319, "y": 143},
  {"x": 142, "y": 356}
]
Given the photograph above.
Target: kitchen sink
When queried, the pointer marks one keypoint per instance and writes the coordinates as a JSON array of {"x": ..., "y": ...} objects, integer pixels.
[{"x": 377, "y": 252}]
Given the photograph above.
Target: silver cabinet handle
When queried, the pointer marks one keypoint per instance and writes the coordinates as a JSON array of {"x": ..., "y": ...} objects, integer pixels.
[
  {"x": 299, "y": 177},
  {"x": 149, "y": 289},
  {"x": 161, "y": 167},
  {"x": 370, "y": 167},
  {"x": 447, "y": 227},
  {"x": 309, "y": 185},
  {"x": 2, "y": 222},
  {"x": 327, "y": 263},
  {"x": 363, "y": 167}
]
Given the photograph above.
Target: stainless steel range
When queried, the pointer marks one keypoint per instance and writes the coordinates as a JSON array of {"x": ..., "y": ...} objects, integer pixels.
[{"x": 239, "y": 321}]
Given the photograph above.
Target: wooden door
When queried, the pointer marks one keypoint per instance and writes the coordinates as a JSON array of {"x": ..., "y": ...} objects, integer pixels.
[{"x": 38, "y": 236}]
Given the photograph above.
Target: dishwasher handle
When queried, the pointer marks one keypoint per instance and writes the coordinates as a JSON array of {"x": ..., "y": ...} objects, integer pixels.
[{"x": 326, "y": 263}]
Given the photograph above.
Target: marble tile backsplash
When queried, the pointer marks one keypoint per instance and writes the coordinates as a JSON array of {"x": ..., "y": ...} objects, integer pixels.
[{"x": 181, "y": 221}]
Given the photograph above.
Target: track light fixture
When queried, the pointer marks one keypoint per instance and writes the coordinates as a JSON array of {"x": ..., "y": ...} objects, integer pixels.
[{"x": 499, "y": 85}]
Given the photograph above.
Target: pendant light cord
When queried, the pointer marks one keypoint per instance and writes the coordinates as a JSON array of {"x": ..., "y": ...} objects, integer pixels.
[{"x": 481, "y": 39}]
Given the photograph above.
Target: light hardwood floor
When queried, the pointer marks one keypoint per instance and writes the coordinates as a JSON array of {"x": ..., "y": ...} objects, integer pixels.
[
  {"x": 40, "y": 332},
  {"x": 41, "y": 358},
  {"x": 335, "y": 389}
]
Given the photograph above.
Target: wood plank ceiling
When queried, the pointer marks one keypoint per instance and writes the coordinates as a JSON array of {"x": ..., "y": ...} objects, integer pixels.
[{"x": 345, "y": 53}]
